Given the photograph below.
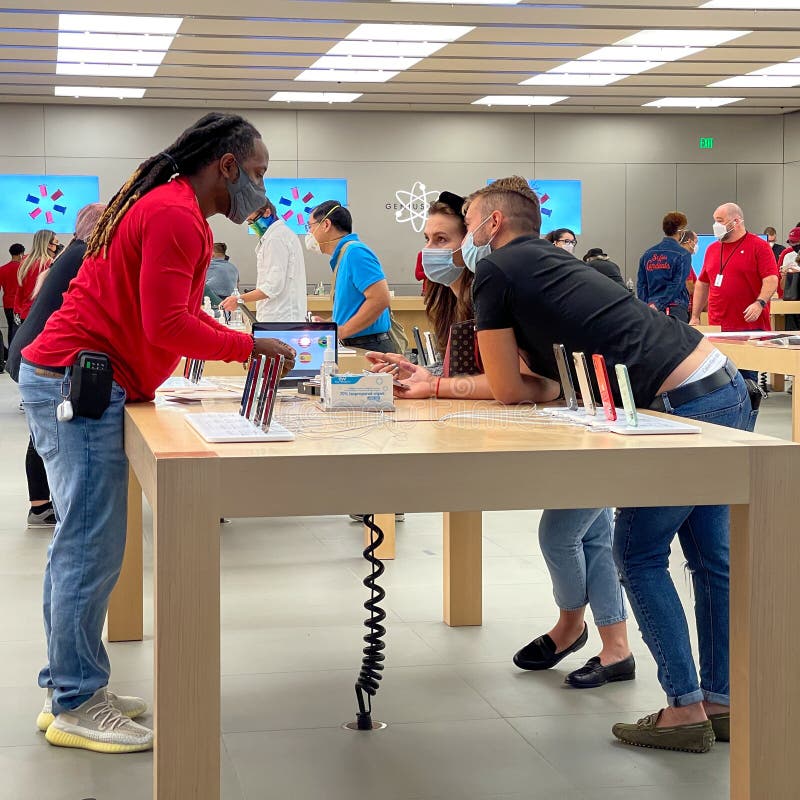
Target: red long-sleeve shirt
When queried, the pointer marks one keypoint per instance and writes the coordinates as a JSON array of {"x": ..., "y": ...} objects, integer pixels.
[
  {"x": 141, "y": 304},
  {"x": 8, "y": 282},
  {"x": 23, "y": 300}
]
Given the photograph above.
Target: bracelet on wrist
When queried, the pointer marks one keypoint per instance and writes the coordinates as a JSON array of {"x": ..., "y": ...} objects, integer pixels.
[{"x": 436, "y": 389}]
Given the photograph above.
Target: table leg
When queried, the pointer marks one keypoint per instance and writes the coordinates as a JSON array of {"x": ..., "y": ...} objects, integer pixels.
[
  {"x": 125, "y": 616},
  {"x": 386, "y": 522},
  {"x": 765, "y": 600},
  {"x": 778, "y": 382},
  {"x": 795, "y": 411},
  {"x": 463, "y": 568},
  {"x": 187, "y": 634}
]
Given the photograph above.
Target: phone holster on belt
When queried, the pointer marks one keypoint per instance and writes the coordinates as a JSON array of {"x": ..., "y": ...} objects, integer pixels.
[
  {"x": 90, "y": 384},
  {"x": 755, "y": 392}
]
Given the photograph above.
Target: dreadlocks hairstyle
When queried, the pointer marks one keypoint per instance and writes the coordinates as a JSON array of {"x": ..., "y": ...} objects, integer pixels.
[{"x": 207, "y": 140}]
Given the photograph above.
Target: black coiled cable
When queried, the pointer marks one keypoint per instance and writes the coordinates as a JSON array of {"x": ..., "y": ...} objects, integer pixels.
[{"x": 372, "y": 662}]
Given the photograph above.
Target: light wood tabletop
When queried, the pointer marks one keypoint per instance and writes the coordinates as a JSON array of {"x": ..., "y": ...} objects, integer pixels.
[{"x": 420, "y": 462}]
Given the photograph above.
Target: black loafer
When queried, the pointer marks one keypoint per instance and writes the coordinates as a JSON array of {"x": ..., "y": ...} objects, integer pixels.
[
  {"x": 541, "y": 652},
  {"x": 594, "y": 674}
]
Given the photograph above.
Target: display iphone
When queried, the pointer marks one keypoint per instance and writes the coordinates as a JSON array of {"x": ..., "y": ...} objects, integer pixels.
[
  {"x": 585, "y": 383},
  {"x": 566, "y": 376},
  {"x": 256, "y": 392},
  {"x": 248, "y": 385},
  {"x": 601, "y": 373},
  {"x": 625, "y": 389}
]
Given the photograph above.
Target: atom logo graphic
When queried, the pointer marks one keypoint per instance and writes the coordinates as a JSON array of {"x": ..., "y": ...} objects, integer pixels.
[
  {"x": 37, "y": 201},
  {"x": 414, "y": 205},
  {"x": 297, "y": 206}
]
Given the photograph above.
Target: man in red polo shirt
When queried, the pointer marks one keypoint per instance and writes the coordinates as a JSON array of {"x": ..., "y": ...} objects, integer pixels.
[
  {"x": 738, "y": 278},
  {"x": 8, "y": 284}
]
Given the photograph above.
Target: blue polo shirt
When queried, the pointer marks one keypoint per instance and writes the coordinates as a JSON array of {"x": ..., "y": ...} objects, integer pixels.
[{"x": 359, "y": 269}]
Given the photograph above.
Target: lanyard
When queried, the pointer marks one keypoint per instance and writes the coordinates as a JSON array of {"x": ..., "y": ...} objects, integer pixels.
[{"x": 730, "y": 255}]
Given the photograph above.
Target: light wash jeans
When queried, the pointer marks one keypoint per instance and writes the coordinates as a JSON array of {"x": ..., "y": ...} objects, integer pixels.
[
  {"x": 576, "y": 544},
  {"x": 88, "y": 474},
  {"x": 642, "y": 540}
]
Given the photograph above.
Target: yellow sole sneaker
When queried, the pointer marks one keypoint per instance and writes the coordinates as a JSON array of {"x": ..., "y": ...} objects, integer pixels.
[{"x": 59, "y": 738}]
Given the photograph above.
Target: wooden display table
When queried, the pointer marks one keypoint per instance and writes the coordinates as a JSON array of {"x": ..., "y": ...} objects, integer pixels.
[
  {"x": 777, "y": 360},
  {"x": 461, "y": 468}
]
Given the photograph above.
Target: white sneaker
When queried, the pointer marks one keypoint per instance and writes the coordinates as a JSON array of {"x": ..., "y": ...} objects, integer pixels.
[
  {"x": 131, "y": 707},
  {"x": 98, "y": 726}
]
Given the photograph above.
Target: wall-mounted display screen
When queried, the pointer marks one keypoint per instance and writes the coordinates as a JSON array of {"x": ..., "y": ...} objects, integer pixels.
[
  {"x": 560, "y": 203},
  {"x": 703, "y": 242},
  {"x": 295, "y": 198},
  {"x": 29, "y": 203}
]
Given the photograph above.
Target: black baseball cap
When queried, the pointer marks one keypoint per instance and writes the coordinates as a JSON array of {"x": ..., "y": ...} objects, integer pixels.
[{"x": 593, "y": 252}]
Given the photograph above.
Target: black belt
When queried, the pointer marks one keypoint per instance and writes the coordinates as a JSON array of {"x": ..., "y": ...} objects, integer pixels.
[
  {"x": 377, "y": 337},
  {"x": 46, "y": 372},
  {"x": 685, "y": 394}
]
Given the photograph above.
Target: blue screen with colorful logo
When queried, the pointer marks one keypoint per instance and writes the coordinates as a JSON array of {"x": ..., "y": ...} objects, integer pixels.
[
  {"x": 29, "y": 203},
  {"x": 295, "y": 198},
  {"x": 560, "y": 202}
]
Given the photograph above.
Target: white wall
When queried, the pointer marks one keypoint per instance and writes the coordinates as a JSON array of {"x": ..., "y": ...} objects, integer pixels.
[{"x": 634, "y": 168}]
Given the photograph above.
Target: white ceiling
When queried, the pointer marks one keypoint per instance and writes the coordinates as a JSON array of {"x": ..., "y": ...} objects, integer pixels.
[{"x": 240, "y": 56}]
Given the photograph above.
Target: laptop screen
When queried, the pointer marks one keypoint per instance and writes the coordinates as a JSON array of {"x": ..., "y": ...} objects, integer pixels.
[{"x": 309, "y": 339}]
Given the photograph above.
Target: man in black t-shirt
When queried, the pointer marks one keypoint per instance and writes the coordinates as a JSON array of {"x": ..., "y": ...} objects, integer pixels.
[{"x": 529, "y": 296}]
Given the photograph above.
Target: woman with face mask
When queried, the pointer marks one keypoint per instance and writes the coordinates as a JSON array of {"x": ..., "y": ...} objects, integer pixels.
[
  {"x": 38, "y": 261},
  {"x": 563, "y": 238},
  {"x": 688, "y": 241},
  {"x": 576, "y": 543},
  {"x": 664, "y": 269}
]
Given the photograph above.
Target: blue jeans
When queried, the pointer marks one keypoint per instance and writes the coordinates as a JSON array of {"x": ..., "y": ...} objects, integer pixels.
[
  {"x": 88, "y": 474},
  {"x": 642, "y": 540},
  {"x": 576, "y": 544}
]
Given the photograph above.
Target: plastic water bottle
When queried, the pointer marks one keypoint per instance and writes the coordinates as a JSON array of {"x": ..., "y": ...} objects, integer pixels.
[
  {"x": 631, "y": 287},
  {"x": 236, "y": 320},
  {"x": 207, "y": 306},
  {"x": 329, "y": 367}
]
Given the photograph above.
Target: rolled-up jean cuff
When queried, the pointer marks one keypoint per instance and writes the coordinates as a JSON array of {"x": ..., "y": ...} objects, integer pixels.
[
  {"x": 686, "y": 699},
  {"x": 604, "y": 623},
  {"x": 719, "y": 699}
]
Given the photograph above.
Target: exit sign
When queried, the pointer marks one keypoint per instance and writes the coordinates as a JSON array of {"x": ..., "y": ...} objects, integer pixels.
[{"x": 706, "y": 142}]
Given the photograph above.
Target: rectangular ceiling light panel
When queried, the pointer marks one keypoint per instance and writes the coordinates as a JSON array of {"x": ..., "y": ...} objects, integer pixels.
[
  {"x": 692, "y": 102},
  {"x": 314, "y": 97},
  {"x": 375, "y": 53},
  {"x": 120, "y": 46},
  {"x": 519, "y": 100},
  {"x": 98, "y": 91},
  {"x": 633, "y": 55},
  {"x": 777, "y": 76}
]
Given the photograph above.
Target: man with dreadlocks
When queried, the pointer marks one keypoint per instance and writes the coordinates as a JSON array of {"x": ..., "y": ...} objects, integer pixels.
[{"x": 136, "y": 299}]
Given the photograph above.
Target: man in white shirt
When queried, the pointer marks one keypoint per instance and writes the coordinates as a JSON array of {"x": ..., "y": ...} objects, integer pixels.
[{"x": 280, "y": 293}]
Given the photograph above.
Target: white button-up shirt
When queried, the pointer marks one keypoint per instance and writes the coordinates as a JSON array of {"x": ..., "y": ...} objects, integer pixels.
[{"x": 281, "y": 275}]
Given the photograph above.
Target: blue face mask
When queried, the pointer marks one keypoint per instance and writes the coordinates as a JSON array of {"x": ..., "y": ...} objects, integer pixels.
[
  {"x": 472, "y": 253},
  {"x": 439, "y": 267}
]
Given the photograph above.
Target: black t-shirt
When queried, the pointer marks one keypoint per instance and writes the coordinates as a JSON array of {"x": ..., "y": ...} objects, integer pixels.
[
  {"x": 47, "y": 302},
  {"x": 547, "y": 296},
  {"x": 609, "y": 269}
]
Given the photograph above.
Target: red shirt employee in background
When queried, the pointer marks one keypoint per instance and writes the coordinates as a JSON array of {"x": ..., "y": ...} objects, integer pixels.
[
  {"x": 738, "y": 278},
  {"x": 8, "y": 285},
  {"x": 37, "y": 262},
  {"x": 136, "y": 299}
]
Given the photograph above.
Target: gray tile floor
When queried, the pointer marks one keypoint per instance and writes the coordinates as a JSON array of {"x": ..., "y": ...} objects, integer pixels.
[{"x": 464, "y": 723}]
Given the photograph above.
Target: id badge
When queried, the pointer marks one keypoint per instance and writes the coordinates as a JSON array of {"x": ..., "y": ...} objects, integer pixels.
[{"x": 718, "y": 280}]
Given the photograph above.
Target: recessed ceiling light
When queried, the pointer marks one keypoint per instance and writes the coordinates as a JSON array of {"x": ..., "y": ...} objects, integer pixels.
[
  {"x": 570, "y": 79},
  {"x": 375, "y": 53},
  {"x": 120, "y": 46},
  {"x": 633, "y": 55},
  {"x": 519, "y": 100},
  {"x": 776, "y": 76},
  {"x": 346, "y": 76},
  {"x": 692, "y": 102},
  {"x": 314, "y": 97},
  {"x": 754, "y": 5},
  {"x": 122, "y": 93},
  {"x": 686, "y": 37},
  {"x": 409, "y": 33},
  {"x": 463, "y": 2}
]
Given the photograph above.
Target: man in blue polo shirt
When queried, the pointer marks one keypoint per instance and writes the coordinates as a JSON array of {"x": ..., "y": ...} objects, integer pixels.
[{"x": 359, "y": 288}]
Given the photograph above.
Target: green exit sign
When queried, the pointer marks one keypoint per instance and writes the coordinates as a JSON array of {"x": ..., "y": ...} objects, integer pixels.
[{"x": 706, "y": 142}]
